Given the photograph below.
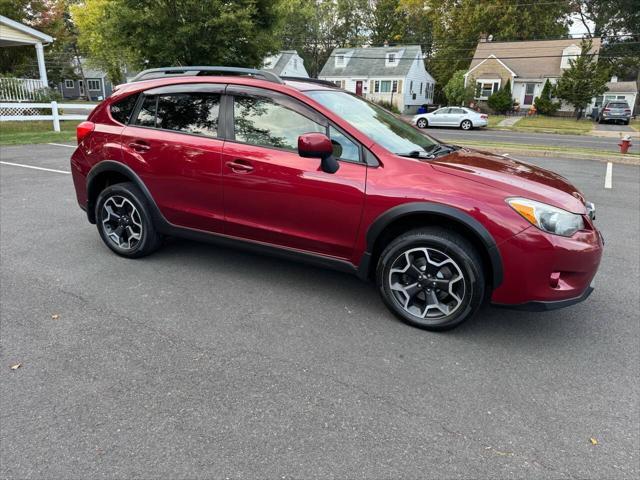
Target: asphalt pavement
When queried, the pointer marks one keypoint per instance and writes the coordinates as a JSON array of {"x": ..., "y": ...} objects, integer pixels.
[{"x": 204, "y": 362}]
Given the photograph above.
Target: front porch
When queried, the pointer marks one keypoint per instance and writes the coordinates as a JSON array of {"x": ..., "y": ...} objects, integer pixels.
[{"x": 15, "y": 34}]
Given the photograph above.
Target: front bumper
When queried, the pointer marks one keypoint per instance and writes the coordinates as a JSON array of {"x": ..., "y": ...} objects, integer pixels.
[{"x": 545, "y": 272}]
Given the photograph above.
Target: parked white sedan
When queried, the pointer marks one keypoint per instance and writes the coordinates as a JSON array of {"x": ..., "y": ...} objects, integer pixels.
[{"x": 462, "y": 117}]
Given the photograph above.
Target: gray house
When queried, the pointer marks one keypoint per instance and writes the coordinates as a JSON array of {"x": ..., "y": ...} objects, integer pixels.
[
  {"x": 98, "y": 86},
  {"x": 394, "y": 75},
  {"x": 286, "y": 63}
]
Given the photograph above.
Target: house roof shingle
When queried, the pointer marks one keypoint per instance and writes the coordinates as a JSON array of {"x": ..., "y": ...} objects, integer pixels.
[
  {"x": 622, "y": 87},
  {"x": 529, "y": 59},
  {"x": 370, "y": 62}
]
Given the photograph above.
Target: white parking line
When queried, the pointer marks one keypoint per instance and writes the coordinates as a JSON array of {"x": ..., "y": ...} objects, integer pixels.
[
  {"x": 608, "y": 177},
  {"x": 62, "y": 145},
  {"x": 35, "y": 168}
]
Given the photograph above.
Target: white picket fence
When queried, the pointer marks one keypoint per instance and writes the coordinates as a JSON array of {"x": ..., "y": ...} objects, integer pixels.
[
  {"x": 26, "y": 112},
  {"x": 19, "y": 89}
]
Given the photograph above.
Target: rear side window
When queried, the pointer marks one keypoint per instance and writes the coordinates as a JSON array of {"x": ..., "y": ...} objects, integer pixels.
[
  {"x": 147, "y": 113},
  {"x": 195, "y": 113},
  {"x": 121, "y": 110}
]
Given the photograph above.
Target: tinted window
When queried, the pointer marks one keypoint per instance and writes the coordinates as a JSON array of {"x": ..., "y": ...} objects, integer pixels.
[
  {"x": 343, "y": 148},
  {"x": 195, "y": 113},
  {"x": 147, "y": 114},
  {"x": 457, "y": 111},
  {"x": 261, "y": 121},
  {"x": 121, "y": 110},
  {"x": 618, "y": 105}
]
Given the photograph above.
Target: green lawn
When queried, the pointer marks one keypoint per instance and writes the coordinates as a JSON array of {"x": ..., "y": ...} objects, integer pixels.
[
  {"x": 15, "y": 133},
  {"x": 635, "y": 124},
  {"x": 543, "y": 124}
]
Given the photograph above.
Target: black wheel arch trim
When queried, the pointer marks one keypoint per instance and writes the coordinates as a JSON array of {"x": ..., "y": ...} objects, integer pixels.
[
  {"x": 110, "y": 166},
  {"x": 395, "y": 213}
]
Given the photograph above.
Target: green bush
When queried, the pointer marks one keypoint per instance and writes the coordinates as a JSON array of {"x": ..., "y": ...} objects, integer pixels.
[
  {"x": 544, "y": 105},
  {"x": 501, "y": 101},
  {"x": 388, "y": 105}
]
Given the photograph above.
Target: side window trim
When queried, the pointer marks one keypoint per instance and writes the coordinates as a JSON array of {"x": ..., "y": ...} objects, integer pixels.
[{"x": 298, "y": 107}]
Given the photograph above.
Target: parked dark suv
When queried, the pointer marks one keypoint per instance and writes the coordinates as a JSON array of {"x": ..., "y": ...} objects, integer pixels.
[
  {"x": 615, "y": 110},
  {"x": 303, "y": 169}
]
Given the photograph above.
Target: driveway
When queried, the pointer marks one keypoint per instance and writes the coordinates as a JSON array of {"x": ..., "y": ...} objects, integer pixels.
[
  {"x": 202, "y": 362},
  {"x": 613, "y": 127}
]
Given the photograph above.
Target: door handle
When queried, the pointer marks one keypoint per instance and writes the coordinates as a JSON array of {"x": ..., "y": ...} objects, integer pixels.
[
  {"x": 239, "y": 166},
  {"x": 139, "y": 146}
]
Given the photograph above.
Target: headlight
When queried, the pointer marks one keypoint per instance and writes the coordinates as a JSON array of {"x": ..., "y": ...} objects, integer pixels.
[{"x": 547, "y": 218}]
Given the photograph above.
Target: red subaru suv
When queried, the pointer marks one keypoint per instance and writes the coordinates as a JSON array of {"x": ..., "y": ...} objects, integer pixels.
[{"x": 300, "y": 168}]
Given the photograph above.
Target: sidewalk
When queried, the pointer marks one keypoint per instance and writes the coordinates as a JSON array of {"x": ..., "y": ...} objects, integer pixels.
[{"x": 510, "y": 121}]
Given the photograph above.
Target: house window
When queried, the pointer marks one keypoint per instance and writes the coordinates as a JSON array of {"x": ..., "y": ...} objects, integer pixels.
[
  {"x": 385, "y": 86},
  {"x": 392, "y": 60},
  {"x": 339, "y": 60},
  {"x": 94, "y": 84},
  {"x": 69, "y": 84},
  {"x": 394, "y": 86},
  {"x": 420, "y": 88},
  {"x": 295, "y": 63},
  {"x": 486, "y": 88},
  {"x": 411, "y": 87}
]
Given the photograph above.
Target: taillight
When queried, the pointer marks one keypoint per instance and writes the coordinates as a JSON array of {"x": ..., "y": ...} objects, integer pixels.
[
  {"x": 606, "y": 110},
  {"x": 84, "y": 129},
  {"x": 484, "y": 116},
  {"x": 627, "y": 110}
]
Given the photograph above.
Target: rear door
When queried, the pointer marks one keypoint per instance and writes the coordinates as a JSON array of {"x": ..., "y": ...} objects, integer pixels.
[
  {"x": 272, "y": 194},
  {"x": 439, "y": 117},
  {"x": 173, "y": 144}
]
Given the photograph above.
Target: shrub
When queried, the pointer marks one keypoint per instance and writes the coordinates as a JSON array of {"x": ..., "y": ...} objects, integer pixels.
[
  {"x": 544, "y": 105},
  {"x": 501, "y": 101},
  {"x": 388, "y": 105}
]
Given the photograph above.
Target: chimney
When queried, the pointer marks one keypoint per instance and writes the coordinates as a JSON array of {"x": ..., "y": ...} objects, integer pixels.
[{"x": 614, "y": 79}]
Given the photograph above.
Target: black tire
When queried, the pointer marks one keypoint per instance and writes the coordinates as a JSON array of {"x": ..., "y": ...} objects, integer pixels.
[
  {"x": 466, "y": 125},
  {"x": 438, "y": 241},
  {"x": 140, "y": 225},
  {"x": 422, "y": 123}
]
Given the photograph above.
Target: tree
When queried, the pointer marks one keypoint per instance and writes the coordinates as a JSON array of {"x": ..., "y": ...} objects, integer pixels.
[
  {"x": 155, "y": 33},
  {"x": 501, "y": 101},
  {"x": 583, "y": 80},
  {"x": 543, "y": 103},
  {"x": 458, "y": 24},
  {"x": 455, "y": 90}
]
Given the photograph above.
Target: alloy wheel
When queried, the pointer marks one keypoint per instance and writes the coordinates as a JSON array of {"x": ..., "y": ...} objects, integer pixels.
[
  {"x": 466, "y": 125},
  {"x": 422, "y": 123},
  {"x": 427, "y": 283},
  {"x": 121, "y": 222}
]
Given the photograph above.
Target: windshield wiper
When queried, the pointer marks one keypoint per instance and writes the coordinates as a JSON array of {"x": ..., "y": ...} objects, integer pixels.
[
  {"x": 442, "y": 149},
  {"x": 415, "y": 154}
]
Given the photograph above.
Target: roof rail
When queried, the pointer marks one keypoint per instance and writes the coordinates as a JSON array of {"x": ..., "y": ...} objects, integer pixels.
[
  {"x": 326, "y": 83},
  {"x": 164, "y": 72}
]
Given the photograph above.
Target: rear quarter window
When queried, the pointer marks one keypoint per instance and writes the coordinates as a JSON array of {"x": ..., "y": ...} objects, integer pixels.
[{"x": 122, "y": 109}]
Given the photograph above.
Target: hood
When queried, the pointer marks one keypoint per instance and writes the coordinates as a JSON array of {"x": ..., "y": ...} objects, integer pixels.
[{"x": 515, "y": 177}]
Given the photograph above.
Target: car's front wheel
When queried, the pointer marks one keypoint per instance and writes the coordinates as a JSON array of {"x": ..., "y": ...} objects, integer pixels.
[
  {"x": 431, "y": 278},
  {"x": 422, "y": 123},
  {"x": 466, "y": 125},
  {"x": 124, "y": 221}
]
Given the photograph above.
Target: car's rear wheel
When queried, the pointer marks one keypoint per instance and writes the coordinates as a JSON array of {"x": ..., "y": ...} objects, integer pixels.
[
  {"x": 422, "y": 123},
  {"x": 431, "y": 278},
  {"x": 124, "y": 221},
  {"x": 466, "y": 125}
]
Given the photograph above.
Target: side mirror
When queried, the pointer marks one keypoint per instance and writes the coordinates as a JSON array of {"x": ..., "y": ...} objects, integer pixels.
[{"x": 318, "y": 145}]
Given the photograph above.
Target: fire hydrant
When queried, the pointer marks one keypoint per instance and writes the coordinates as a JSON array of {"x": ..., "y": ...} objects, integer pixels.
[{"x": 625, "y": 144}]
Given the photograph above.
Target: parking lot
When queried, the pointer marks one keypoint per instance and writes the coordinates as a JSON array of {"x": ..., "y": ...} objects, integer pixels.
[{"x": 202, "y": 362}]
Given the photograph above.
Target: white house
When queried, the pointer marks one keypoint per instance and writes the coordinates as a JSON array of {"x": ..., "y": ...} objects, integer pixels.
[
  {"x": 286, "y": 63},
  {"x": 15, "y": 34},
  {"x": 616, "y": 90},
  {"x": 394, "y": 75}
]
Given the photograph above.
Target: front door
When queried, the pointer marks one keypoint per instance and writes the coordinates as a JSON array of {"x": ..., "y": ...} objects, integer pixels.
[
  {"x": 359, "y": 88},
  {"x": 529, "y": 89},
  {"x": 172, "y": 144},
  {"x": 81, "y": 87},
  {"x": 273, "y": 195}
]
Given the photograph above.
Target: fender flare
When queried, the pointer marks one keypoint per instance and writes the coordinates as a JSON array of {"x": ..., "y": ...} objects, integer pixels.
[
  {"x": 445, "y": 211},
  {"x": 121, "y": 168}
]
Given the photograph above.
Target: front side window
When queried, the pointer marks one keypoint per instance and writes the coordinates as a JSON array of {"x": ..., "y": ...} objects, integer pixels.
[
  {"x": 263, "y": 122},
  {"x": 375, "y": 122},
  {"x": 343, "y": 147},
  {"x": 195, "y": 113}
]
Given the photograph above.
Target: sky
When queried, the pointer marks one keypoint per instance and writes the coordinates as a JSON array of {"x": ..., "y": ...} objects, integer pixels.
[{"x": 578, "y": 29}]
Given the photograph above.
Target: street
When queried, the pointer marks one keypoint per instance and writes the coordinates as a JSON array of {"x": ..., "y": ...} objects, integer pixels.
[
  {"x": 504, "y": 136},
  {"x": 206, "y": 362}
]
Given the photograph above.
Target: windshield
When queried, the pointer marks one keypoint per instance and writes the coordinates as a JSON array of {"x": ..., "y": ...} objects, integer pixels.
[{"x": 379, "y": 125}]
